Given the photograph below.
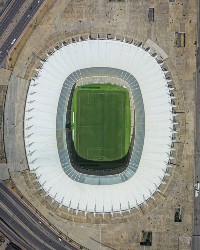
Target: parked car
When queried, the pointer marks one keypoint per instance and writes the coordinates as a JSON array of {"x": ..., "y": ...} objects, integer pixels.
[{"x": 196, "y": 189}]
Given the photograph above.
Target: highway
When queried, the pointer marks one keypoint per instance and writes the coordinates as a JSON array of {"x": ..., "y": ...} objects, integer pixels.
[
  {"x": 17, "y": 221},
  {"x": 196, "y": 229},
  {"x": 11, "y": 11},
  {"x": 20, "y": 230},
  {"x": 16, "y": 239},
  {"x": 26, "y": 224},
  {"x": 20, "y": 26}
]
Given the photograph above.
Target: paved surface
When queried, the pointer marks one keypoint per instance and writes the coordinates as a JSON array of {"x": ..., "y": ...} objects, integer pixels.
[
  {"x": 3, "y": 5},
  {"x": 12, "y": 125},
  {"x": 26, "y": 224},
  {"x": 196, "y": 233},
  {"x": 16, "y": 239},
  {"x": 15, "y": 34}
]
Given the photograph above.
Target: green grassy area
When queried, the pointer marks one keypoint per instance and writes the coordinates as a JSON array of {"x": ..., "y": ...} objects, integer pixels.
[{"x": 101, "y": 122}]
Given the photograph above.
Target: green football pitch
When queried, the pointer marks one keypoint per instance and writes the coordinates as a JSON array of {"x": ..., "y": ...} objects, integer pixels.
[{"x": 101, "y": 122}]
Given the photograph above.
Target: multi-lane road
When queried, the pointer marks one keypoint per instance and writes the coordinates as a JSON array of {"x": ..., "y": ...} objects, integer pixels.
[
  {"x": 25, "y": 226},
  {"x": 8, "y": 14},
  {"x": 7, "y": 18},
  {"x": 16, "y": 239},
  {"x": 17, "y": 221}
]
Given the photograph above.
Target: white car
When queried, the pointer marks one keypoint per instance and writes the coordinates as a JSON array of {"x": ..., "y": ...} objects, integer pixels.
[
  {"x": 13, "y": 41},
  {"x": 196, "y": 189}
]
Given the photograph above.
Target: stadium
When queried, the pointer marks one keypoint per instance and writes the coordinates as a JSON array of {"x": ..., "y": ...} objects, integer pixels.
[
  {"x": 104, "y": 110},
  {"x": 99, "y": 135},
  {"x": 99, "y": 145}
]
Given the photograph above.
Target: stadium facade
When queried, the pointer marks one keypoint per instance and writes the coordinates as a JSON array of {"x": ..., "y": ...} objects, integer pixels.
[{"x": 45, "y": 120}]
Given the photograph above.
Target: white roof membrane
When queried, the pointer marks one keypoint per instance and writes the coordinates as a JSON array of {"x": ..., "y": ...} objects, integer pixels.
[{"x": 40, "y": 125}]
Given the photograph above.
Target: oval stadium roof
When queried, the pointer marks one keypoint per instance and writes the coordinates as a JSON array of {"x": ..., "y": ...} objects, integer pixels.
[{"x": 40, "y": 126}]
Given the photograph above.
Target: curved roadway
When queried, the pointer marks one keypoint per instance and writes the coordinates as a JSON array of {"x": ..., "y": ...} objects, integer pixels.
[{"x": 16, "y": 217}]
